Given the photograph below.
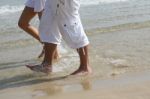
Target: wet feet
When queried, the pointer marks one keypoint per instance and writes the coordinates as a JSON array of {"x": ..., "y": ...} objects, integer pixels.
[
  {"x": 81, "y": 71},
  {"x": 44, "y": 68}
]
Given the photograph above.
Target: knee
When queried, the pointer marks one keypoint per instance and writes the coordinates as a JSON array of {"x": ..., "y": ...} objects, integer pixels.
[{"x": 22, "y": 24}]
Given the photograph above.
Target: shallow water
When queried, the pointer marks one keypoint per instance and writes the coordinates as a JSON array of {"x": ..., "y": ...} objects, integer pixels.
[{"x": 118, "y": 32}]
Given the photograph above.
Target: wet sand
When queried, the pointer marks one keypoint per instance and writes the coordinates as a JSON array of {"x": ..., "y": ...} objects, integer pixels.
[
  {"x": 119, "y": 72},
  {"x": 127, "y": 86},
  {"x": 119, "y": 53}
]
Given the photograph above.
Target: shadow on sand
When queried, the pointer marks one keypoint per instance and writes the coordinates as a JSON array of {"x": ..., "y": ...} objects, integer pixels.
[
  {"x": 25, "y": 80},
  {"x": 15, "y": 64}
]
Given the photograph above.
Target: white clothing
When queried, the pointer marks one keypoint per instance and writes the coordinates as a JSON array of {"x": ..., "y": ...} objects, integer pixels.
[
  {"x": 38, "y": 5},
  {"x": 61, "y": 18}
]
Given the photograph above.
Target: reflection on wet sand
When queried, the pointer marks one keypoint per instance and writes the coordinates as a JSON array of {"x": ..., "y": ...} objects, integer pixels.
[
  {"x": 49, "y": 89},
  {"x": 86, "y": 84}
]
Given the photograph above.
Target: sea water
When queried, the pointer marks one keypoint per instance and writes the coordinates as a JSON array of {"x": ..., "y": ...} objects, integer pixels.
[{"x": 118, "y": 30}]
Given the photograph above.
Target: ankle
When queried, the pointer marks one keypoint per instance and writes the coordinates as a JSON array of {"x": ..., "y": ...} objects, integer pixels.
[
  {"x": 84, "y": 67},
  {"x": 47, "y": 64}
]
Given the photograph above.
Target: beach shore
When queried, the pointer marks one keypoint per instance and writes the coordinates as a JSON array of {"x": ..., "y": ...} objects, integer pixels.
[
  {"x": 119, "y": 34},
  {"x": 127, "y": 86}
]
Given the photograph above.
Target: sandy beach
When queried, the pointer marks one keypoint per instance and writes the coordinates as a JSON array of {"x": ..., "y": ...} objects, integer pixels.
[
  {"x": 126, "y": 86},
  {"x": 119, "y": 34},
  {"x": 112, "y": 78}
]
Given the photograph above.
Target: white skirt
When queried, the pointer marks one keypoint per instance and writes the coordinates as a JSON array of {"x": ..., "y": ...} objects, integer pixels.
[{"x": 38, "y": 5}]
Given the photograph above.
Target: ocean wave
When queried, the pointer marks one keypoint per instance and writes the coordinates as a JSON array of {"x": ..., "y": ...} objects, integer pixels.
[
  {"x": 6, "y": 9},
  {"x": 95, "y": 2},
  {"x": 120, "y": 27}
]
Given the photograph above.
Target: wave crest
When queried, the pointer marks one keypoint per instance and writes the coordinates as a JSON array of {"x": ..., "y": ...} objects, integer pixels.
[
  {"x": 95, "y": 2},
  {"x": 10, "y": 9}
]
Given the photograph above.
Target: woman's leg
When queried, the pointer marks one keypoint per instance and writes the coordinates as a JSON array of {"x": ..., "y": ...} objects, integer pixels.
[
  {"x": 40, "y": 14},
  {"x": 24, "y": 22}
]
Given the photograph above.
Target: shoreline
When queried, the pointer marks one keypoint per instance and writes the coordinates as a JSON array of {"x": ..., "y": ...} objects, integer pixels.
[{"x": 127, "y": 86}]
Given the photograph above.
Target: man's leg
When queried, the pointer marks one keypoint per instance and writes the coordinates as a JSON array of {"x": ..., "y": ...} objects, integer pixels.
[
  {"x": 46, "y": 65},
  {"x": 56, "y": 55},
  {"x": 50, "y": 50},
  {"x": 84, "y": 62}
]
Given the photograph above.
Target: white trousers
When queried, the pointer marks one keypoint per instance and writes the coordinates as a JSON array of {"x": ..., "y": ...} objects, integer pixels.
[{"x": 61, "y": 19}]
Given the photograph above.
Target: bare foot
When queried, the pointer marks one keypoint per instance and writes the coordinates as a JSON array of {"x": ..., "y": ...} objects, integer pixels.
[
  {"x": 81, "y": 71},
  {"x": 40, "y": 68}
]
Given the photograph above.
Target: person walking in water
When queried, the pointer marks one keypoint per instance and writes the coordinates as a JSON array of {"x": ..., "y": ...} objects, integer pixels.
[
  {"x": 32, "y": 8},
  {"x": 61, "y": 19}
]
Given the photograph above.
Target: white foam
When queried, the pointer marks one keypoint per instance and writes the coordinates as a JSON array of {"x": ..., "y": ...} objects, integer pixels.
[
  {"x": 95, "y": 2},
  {"x": 118, "y": 62},
  {"x": 6, "y": 9}
]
